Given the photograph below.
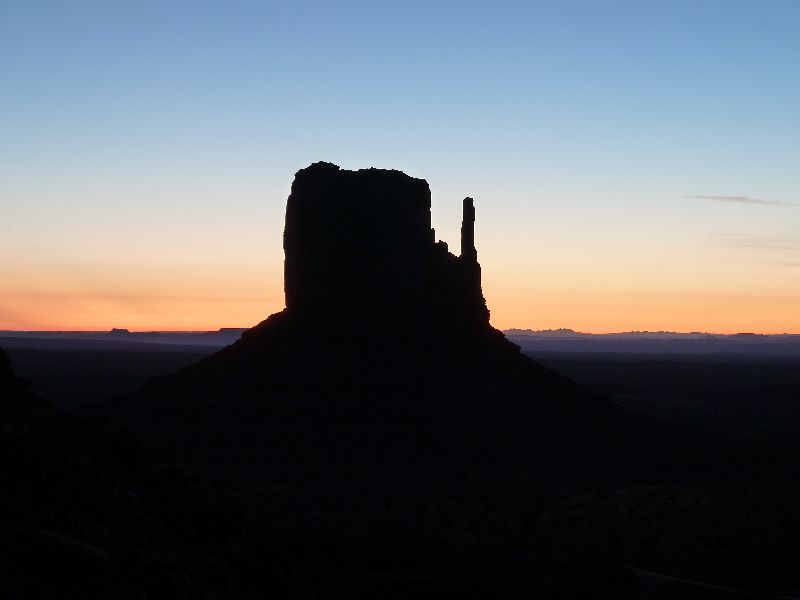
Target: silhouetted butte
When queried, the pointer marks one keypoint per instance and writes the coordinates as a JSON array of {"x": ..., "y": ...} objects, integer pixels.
[
  {"x": 373, "y": 301},
  {"x": 384, "y": 348}
]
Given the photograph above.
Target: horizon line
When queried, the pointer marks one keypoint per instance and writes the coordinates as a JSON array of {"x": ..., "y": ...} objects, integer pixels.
[{"x": 122, "y": 331}]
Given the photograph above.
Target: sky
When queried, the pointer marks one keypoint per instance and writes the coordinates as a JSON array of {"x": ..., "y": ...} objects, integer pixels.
[{"x": 634, "y": 164}]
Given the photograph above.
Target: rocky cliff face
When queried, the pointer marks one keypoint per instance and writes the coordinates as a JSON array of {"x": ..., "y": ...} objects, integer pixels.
[{"x": 361, "y": 253}]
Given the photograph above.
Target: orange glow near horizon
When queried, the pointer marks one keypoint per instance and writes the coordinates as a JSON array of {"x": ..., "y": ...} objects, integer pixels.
[
  {"x": 622, "y": 179},
  {"x": 602, "y": 312},
  {"x": 549, "y": 284},
  {"x": 144, "y": 298},
  {"x": 102, "y": 313},
  {"x": 615, "y": 313}
]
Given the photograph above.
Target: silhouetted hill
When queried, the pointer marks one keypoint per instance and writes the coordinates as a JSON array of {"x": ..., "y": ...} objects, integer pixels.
[
  {"x": 364, "y": 274},
  {"x": 384, "y": 358},
  {"x": 83, "y": 515},
  {"x": 385, "y": 333}
]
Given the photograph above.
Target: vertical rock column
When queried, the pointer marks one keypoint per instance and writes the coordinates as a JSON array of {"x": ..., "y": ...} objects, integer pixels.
[
  {"x": 471, "y": 269},
  {"x": 468, "y": 252}
]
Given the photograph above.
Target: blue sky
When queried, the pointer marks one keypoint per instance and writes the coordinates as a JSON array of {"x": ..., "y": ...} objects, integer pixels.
[{"x": 147, "y": 148}]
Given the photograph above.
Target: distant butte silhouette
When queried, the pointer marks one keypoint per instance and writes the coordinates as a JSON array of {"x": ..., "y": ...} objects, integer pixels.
[
  {"x": 364, "y": 272},
  {"x": 361, "y": 253},
  {"x": 373, "y": 302},
  {"x": 384, "y": 346}
]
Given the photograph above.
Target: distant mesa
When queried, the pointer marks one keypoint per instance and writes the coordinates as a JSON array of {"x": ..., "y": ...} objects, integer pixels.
[
  {"x": 557, "y": 333},
  {"x": 361, "y": 253},
  {"x": 373, "y": 300},
  {"x": 384, "y": 349}
]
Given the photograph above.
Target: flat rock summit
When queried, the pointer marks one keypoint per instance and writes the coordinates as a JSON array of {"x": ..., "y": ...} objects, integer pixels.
[{"x": 361, "y": 253}]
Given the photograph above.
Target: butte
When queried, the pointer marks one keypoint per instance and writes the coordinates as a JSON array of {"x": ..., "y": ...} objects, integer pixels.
[{"x": 384, "y": 355}]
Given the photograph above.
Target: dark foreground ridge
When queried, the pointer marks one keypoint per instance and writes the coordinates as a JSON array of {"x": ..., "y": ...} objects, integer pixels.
[{"x": 84, "y": 515}]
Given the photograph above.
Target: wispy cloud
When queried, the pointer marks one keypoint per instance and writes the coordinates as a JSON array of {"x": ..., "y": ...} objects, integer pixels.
[
  {"x": 758, "y": 242},
  {"x": 773, "y": 250},
  {"x": 744, "y": 200}
]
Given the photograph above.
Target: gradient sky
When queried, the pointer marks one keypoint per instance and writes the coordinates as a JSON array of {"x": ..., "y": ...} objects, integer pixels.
[{"x": 635, "y": 164}]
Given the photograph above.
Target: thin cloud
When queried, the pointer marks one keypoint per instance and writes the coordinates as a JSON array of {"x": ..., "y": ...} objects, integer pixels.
[
  {"x": 744, "y": 200},
  {"x": 769, "y": 250},
  {"x": 778, "y": 243}
]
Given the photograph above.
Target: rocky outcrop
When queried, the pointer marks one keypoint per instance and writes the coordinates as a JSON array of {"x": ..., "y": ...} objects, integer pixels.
[
  {"x": 383, "y": 355},
  {"x": 375, "y": 307},
  {"x": 361, "y": 253}
]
